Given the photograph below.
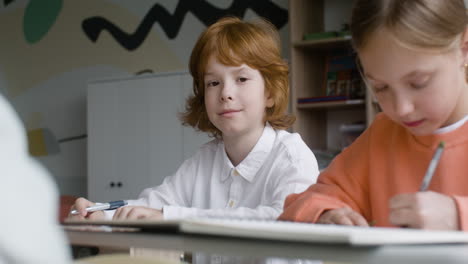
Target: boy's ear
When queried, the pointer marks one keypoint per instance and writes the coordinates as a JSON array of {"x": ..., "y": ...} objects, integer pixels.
[{"x": 269, "y": 100}]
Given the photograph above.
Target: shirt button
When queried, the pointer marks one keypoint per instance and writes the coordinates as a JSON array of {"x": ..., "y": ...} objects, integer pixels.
[
  {"x": 231, "y": 203},
  {"x": 236, "y": 173}
]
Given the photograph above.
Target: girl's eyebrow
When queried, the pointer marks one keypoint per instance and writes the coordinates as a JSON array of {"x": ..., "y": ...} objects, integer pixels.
[
  {"x": 417, "y": 73},
  {"x": 406, "y": 76}
]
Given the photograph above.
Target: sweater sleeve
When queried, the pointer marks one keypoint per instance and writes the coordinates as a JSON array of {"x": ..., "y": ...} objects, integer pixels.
[
  {"x": 343, "y": 184},
  {"x": 462, "y": 208}
]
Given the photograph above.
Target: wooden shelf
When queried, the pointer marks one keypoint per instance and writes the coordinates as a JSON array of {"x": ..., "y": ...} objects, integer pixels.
[
  {"x": 334, "y": 104},
  {"x": 329, "y": 43},
  {"x": 318, "y": 123}
]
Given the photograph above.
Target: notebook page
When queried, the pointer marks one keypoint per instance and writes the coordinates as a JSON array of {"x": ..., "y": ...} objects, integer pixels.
[{"x": 318, "y": 233}]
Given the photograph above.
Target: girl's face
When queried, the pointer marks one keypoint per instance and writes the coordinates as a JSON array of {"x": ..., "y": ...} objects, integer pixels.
[
  {"x": 422, "y": 91},
  {"x": 235, "y": 98}
]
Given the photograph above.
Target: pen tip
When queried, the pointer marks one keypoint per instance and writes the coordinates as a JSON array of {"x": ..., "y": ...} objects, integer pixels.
[{"x": 442, "y": 144}]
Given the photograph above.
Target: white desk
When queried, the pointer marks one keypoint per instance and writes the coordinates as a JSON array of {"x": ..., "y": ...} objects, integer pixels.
[{"x": 264, "y": 248}]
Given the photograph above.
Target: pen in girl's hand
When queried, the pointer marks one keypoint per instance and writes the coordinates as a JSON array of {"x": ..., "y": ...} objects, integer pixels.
[
  {"x": 103, "y": 206},
  {"x": 432, "y": 166}
]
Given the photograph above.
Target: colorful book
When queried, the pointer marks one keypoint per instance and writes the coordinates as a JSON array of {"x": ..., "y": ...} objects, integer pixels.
[{"x": 342, "y": 77}]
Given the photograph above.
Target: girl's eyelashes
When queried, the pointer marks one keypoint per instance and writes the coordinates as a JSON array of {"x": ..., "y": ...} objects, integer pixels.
[
  {"x": 379, "y": 88},
  {"x": 376, "y": 86},
  {"x": 416, "y": 84},
  {"x": 420, "y": 83}
]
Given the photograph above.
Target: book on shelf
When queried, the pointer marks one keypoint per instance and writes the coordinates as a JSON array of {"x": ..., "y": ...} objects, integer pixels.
[
  {"x": 342, "y": 77},
  {"x": 343, "y": 82}
]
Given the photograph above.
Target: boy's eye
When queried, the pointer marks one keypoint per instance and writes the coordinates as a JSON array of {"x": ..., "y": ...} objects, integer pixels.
[
  {"x": 212, "y": 83},
  {"x": 242, "y": 79}
]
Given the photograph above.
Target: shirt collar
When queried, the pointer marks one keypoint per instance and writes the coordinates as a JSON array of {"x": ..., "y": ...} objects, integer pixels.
[
  {"x": 452, "y": 127},
  {"x": 249, "y": 167},
  {"x": 452, "y": 135}
]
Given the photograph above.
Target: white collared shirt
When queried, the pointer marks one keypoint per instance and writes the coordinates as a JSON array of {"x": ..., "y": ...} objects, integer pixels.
[{"x": 208, "y": 185}]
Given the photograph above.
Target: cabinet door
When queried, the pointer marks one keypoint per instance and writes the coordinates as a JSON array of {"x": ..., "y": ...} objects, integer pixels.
[
  {"x": 135, "y": 137},
  {"x": 165, "y": 139},
  {"x": 102, "y": 122},
  {"x": 117, "y": 130}
]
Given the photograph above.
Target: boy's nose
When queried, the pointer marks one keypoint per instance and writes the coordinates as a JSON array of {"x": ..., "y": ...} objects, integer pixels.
[
  {"x": 226, "y": 92},
  {"x": 226, "y": 98}
]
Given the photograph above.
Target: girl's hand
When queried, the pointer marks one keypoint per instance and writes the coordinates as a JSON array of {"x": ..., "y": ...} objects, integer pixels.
[
  {"x": 80, "y": 205},
  {"x": 137, "y": 212},
  {"x": 342, "y": 216},
  {"x": 424, "y": 210}
]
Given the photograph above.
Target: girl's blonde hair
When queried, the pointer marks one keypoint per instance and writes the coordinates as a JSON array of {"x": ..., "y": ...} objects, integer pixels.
[
  {"x": 416, "y": 24},
  {"x": 235, "y": 42}
]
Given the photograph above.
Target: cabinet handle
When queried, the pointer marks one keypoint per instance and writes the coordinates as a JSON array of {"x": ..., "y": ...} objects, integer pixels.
[
  {"x": 119, "y": 184},
  {"x": 112, "y": 184}
]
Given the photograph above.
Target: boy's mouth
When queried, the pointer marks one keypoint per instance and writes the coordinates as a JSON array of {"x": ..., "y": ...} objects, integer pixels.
[{"x": 229, "y": 112}]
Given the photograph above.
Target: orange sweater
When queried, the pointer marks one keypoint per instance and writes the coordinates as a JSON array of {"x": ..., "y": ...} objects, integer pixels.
[{"x": 384, "y": 161}]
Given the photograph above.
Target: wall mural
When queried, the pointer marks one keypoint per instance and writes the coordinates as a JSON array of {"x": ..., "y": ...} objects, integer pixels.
[
  {"x": 171, "y": 23},
  {"x": 7, "y": 2},
  {"x": 38, "y": 20},
  {"x": 55, "y": 46}
]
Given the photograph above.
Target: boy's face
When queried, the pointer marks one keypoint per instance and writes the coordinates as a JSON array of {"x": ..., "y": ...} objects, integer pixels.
[
  {"x": 235, "y": 98},
  {"x": 421, "y": 91}
]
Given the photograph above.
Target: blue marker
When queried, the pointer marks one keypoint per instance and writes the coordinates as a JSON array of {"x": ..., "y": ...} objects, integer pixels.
[{"x": 103, "y": 206}]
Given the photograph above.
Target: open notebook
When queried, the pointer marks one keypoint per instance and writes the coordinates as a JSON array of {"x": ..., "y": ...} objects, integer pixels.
[{"x": 289, "y": 231}]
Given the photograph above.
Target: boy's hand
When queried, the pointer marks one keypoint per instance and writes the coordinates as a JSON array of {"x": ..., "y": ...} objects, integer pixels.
[
  {"x": 80, "y": 205},
  {"x": 137, "y": 212},
  {"x": 424, "y": 210},
  {"x": 342, "y": 216}
]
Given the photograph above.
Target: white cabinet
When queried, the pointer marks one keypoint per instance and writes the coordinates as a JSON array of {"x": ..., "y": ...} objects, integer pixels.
[{"x": 135, "y": 137}]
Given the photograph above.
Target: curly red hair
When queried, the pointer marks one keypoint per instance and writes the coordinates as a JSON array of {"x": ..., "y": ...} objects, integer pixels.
[{"x": 235, "y": 42}]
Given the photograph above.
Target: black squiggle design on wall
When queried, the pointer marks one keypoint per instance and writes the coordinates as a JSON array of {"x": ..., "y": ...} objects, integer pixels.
[
  {"x": 171, "y": 24},
  {"x": 7, "y": 2}
]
